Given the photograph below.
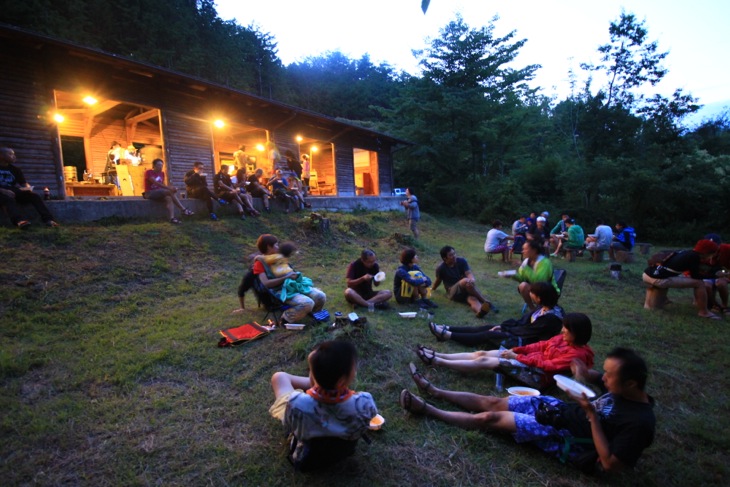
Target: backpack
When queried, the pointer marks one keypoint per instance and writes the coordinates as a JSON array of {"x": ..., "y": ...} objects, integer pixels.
[{"x": 316, "y": 453}]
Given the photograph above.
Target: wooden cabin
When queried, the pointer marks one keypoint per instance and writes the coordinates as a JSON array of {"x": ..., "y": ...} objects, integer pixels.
[{"x": 62, "y": 106}]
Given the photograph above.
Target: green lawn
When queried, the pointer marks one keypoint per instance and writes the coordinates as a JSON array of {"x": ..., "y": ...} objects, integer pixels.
[{"x": 110, "y": 375}]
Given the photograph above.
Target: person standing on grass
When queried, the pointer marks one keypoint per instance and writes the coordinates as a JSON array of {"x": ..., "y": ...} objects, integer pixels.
[
  {"x": 619, "y": 425},
  {"x": 155, "y": 189},
  {"x": 459, "y": 282},
  {"x": 360, "y": 278},
  {"x": 322, "y": 408},
  {"x": 300, "y": 304},
  {"x": 15, "y": 189},
  {"x": 412, "y": 211}
]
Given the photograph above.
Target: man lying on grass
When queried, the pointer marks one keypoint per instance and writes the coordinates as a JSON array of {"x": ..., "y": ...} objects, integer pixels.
[{"x": 617, "y": 426}]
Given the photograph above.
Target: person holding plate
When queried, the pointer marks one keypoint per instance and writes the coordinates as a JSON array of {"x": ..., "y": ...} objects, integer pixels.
[
  {"x": 613, "y": 430},
  {"x": 360, "y": 279}
]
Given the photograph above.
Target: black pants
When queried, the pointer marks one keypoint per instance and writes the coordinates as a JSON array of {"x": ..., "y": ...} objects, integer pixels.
[
  {"x": 10, "y": 203},
  {"x": 204, "y": 194}
]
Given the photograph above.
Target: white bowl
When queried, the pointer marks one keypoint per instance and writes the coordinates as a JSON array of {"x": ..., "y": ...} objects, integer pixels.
[
  {"x": 379, "y": 277},
  {"x": 408, "y": 314},
  {"x": 575, "y": 388},
  {"x": 377, "y": 422},
  {"x": 294, "y": 326},
  {"x": 523, "y": 391}
]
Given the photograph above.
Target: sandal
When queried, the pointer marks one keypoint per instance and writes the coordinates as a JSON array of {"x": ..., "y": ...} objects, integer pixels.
[
  {"x": 438, "y": 334},
  {"x": 174, "y": 221},
  {"x": 411, "y": 403},
  {"x": 712, "y": 316},
  {"x": 425, "y": 354},
  {"x": 422, "y": 383}
]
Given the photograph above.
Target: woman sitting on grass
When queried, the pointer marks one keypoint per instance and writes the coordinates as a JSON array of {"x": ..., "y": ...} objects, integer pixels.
[
  {"x": 543, "y": 323},
  {"x": 548, "y": 357},
  {"x": 410, "y": 273}
]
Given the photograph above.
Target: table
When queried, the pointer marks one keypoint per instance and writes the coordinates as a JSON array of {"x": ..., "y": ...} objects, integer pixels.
[{"x": 90, "y": 189}]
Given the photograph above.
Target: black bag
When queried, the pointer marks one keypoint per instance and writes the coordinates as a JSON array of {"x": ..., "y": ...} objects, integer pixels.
[
  {"x": 657, "y": 265},
  {"x": 316, "y": 453}
]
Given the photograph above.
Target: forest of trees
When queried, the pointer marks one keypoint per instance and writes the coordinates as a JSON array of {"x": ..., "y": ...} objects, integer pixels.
[{"x": 485, "y": 143}]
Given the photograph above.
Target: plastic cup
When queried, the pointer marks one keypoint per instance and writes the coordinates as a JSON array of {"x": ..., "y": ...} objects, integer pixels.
[{"x": 371, "y": 308}]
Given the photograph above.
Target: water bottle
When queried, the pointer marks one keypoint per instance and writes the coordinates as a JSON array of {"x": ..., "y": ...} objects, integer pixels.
[
  {"x": 86, "y": 175},
  {"x": 500, "y": 382}
]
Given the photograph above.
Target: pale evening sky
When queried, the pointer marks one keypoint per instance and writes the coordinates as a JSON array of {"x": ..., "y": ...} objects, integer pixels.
[{"x": 560, "y": 34}]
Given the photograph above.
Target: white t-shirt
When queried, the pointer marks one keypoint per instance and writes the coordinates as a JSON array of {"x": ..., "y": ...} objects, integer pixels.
[
  {"x": 604, "y": 236},
  {"x": 495, "y": 238}
]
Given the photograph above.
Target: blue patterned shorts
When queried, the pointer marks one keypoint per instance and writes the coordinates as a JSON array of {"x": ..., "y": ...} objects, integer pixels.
[{"x": 547, "y": 438}]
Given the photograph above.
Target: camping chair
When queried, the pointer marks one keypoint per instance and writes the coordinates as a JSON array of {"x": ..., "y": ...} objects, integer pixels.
[{"x": 269, "y": 300}]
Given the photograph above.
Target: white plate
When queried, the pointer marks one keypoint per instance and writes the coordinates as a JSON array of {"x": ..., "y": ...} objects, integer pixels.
[
  {"x": 575, "y": 388},
  {"x": 294, "y": 326},
  {"x": 523, "y": 391},
  {"x": 408, "y": 314},
  {"x": 377, "y": 422},
  {"x": 353, "y": 316},
  {"x": 379, "y": 277}
]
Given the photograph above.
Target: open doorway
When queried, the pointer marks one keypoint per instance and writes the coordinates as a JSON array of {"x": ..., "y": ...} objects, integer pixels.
[
  {"x": 113, "y": 141},
  {"x": 366, "y": 172}
]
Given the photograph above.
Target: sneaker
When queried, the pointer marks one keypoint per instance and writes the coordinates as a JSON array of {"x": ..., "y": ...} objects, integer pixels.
[
  {"x": 23, "y": 224},
  {"x": 52, "y": 224},
  {"x": 485, "y": 309},
  {"x": 430, "y": 303},
  {"x": 222, "y": 202},
  {"x": 243, "y": 216},
  {"x": 174, "y": 221},
  {"x": 188, "y": 212},
  {"x": 213, "y": 217}
]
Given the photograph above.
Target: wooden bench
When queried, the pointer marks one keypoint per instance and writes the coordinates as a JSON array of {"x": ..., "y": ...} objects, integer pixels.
[
  {"x": 597, "y": 255},
  {"x": 656, "y": 297},
  {"x": 644, "y": 247},
  {"x": 624, "y": 256}
]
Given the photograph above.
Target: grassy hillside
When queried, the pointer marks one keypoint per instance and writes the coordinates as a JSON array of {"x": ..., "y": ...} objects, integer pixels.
[{"x": 110, "y": 375}]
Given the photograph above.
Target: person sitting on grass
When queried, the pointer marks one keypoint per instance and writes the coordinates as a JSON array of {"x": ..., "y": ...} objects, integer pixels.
[
  {"x": 278, "y": 264},
  {"x": 322, "y": 413},
  {"x": 535, "y": 268},
  {"x": 300, "y": 305},
  {"x": 682, "y": 270},
  {"x": 411, "y": 274},
  {"x": 459, "y": 282},
  {"x": 360, "y": 278},
  {"x": 618, "y": 425},
  {"x": 155, "y": 189},
  {"x": 545, "y": 358},
  {"x": 542, "y": 324},
  {"x": 497, "y": 241}
]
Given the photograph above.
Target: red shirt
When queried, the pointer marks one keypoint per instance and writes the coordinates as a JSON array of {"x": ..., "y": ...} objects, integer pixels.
[
  {"x": 158, "y": 177},
  {"x": 553, "y": 355}
]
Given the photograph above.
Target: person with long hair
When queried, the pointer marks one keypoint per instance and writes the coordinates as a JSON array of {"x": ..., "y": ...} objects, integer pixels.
[{"x": 541, "y": 324}]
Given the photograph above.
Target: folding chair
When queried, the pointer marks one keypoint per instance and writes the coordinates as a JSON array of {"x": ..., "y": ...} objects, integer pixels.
[{"x": 269, "y": 300}]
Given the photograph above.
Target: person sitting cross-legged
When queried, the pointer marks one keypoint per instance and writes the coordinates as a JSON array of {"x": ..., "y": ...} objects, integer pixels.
[
  {"x": 547, "y": 357},
  {"x": 322, "y": 407},
  {"x": 409, "y": 278},
  {"x": 360, "y": 278},
  {"x": 617, "y": 426}
]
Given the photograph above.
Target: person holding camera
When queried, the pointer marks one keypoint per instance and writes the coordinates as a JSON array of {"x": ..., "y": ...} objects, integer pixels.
[{"x": 606, "y": 434}]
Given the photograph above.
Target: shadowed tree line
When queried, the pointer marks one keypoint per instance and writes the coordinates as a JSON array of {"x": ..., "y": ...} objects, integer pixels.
[{"x": 486, "y": 145}]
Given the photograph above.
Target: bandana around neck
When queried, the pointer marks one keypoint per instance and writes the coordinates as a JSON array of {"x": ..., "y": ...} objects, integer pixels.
[{"x": 332, "y": 396}]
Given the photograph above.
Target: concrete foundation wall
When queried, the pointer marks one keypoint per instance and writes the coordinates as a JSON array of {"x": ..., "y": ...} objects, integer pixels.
[{"x": 88, "y": 209}]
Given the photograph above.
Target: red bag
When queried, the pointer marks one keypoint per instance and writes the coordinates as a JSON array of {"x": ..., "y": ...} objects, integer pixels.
[{"x": 241, "y": 334}]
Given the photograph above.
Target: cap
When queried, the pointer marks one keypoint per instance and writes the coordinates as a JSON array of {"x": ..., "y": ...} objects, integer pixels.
[
  {"x": 706, "y": 247},
  {"x": 541, "y": 218},
  {"x": 545, "y": 214}
]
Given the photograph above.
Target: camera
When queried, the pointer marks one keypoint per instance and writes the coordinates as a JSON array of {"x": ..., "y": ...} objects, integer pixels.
[{"x": 550, "y": 416}]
